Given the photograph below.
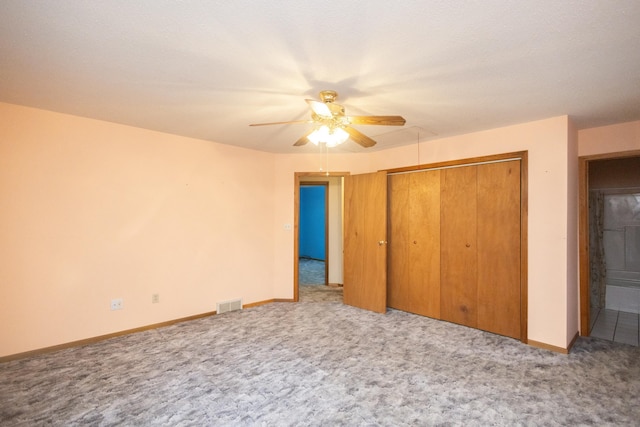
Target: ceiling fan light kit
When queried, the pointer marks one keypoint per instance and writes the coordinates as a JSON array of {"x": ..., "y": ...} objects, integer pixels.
[
  {"x": 331, "y": 137},
  {"x": 332, "y": 125}
]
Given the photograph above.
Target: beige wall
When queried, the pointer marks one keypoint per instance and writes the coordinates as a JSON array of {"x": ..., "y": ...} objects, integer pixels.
[
  {"x": 618, "y": 138},
  {"x": 91, "y": 211}
]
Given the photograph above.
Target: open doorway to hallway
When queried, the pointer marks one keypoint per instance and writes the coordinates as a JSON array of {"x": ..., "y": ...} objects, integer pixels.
[
  {"x": 318, "y": 276},
  {"x": 312, "y": 233}
]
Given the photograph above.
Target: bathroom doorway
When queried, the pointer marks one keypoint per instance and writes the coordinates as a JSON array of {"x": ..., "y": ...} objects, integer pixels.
[{"x": 610, "y": 275}]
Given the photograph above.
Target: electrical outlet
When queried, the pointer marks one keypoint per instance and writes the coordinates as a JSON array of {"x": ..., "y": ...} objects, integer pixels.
[
  {"x": 155, "y": 298},
  {"x": 116, "y": 304}
]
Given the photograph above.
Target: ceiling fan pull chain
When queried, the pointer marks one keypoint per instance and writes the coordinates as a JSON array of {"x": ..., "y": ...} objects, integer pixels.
[{"x": 326, "y": 155}]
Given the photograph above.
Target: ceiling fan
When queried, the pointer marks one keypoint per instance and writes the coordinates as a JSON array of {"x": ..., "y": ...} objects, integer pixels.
[{"x": 332, "y": 125}]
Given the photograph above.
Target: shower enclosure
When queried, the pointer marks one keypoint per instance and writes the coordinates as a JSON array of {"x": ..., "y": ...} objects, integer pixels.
[{"x": 616, "y": 250}]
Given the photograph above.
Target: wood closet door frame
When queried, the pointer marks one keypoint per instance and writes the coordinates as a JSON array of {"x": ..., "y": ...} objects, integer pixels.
[{"x": 523, "y": 157}]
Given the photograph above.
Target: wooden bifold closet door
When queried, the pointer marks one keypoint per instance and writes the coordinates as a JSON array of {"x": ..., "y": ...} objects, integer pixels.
[
  {"x": 454, "y": 249},
  {"x": 414, "y": 249},
  {"x": 499, "y": 228},
  {"x": 459, "y": 266}
]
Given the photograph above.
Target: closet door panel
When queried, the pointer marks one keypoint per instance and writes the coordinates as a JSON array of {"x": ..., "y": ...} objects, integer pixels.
[
  {"x": 424, "y": 243},
  {"x": 499, "y": 248},
  {"x": 398, "y": 246},
  {"x": 458, "y": 217}
]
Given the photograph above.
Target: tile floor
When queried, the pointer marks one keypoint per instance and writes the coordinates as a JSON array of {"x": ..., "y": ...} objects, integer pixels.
[{"x": 616, "y": 326}]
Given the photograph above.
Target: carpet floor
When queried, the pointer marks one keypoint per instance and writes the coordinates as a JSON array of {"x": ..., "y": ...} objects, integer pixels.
[
  {"x": 311, "y": 272},
  {"x": 321, "y": 363},
  {"x": 320, "y": 293}
]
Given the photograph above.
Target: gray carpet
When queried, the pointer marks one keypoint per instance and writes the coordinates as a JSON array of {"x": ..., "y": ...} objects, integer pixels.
[
  {"x": 311, "y": 272},
  {"x": 321, "y": 363},
  {"x": 320, "y": 293}
]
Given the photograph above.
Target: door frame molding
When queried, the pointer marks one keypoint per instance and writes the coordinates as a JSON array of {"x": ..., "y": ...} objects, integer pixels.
[
  {"x": 583, "y": 231},
  {"x": 299, "y": 177}
]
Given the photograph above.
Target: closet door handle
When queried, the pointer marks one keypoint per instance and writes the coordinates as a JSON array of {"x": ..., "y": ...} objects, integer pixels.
[{"x": 382, "y": 242}]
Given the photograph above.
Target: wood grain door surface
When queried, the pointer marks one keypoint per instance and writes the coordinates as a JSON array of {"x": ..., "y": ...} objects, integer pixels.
[
  {"x": 459, "y": 263},
  {"x": 499, "y": 228},
  {"x": 398, "y": 258},
  {"x": 365, "y": 236},
  {"x": 454, "y": 249},
  {"x": 414, "y": 243}
]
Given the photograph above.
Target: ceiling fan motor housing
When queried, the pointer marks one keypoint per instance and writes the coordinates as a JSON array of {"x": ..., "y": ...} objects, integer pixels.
[{"x": 328, "y": 96}]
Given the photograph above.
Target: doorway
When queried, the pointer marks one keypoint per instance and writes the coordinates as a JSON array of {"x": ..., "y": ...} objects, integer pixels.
[
  {"x": 333, "y": 232},
  {"x": 610, "y": 247},
  {"x": 313, "y": 264}
]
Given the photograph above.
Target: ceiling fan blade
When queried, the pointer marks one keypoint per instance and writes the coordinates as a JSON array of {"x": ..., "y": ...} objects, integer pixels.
[
  {"x": 303, "y": 139},
  {"x": 320, "y": 108},
  {"x": 377, "y": 120},
  {"x": 360, "y": 137},
  {"x": 281, "y": 123}
]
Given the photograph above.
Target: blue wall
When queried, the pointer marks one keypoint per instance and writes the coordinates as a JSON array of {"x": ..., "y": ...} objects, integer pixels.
[{"x": 312, "y": 222}]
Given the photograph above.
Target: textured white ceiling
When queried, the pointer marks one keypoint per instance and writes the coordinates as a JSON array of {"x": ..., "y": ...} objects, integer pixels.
[{"x": 207, "y": 69}]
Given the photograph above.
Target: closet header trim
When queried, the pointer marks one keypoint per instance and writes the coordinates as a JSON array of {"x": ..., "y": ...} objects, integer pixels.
[{"x": 456, "y": 166}]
